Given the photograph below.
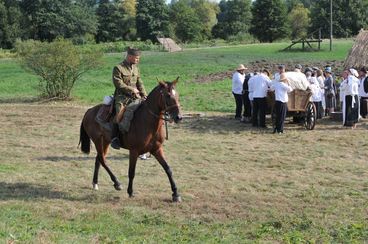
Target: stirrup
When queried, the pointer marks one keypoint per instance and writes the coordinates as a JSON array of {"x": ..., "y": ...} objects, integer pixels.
[{"x": 115, "y": 143}]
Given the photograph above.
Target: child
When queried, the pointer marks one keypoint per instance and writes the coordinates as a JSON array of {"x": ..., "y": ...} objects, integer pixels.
[{"x": 281, "y": 88}]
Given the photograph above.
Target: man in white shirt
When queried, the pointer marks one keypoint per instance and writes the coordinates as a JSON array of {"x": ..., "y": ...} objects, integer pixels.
[
  {"x": 363, "y": 92},
  {"x": 237, "y": 89},
  {"x": 258, "y": 87},
  {"x": 281, "y": 88}
]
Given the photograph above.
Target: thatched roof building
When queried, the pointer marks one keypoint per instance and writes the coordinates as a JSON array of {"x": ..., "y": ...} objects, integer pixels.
[{"x": 358, "y": 55}]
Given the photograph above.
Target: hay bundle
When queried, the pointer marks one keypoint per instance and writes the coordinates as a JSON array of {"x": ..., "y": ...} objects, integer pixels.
[{"x": 358, "y": 55}]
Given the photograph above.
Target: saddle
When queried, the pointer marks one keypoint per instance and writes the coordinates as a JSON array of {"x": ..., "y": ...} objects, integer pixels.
[{"x": 105, "y": 115}]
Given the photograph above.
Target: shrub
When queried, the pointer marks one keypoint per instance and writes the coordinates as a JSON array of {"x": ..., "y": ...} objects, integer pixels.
[{"x": 58, "y": 64}]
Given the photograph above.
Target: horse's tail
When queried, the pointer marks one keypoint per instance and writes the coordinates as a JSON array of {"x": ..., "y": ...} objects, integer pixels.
[{"x": 84, "y": 140}]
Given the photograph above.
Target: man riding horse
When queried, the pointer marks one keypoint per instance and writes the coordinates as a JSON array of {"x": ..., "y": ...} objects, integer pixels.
[{"x": 128, "y": 87}]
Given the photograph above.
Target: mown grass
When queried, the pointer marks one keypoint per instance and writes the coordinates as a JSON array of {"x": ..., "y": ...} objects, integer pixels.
[
  {"x": 15, "y": 83},
  {"x": 239, "y": 185}
]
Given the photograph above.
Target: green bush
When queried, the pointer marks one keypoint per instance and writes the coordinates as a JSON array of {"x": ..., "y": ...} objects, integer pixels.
[
  {"x": 6, "y": 54},
  {"x": 59, "y": 65}
]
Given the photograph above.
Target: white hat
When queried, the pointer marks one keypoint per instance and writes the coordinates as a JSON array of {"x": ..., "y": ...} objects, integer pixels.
[
  {"x": 241, "y": 67},
  {"x": 354, "y": 72}
]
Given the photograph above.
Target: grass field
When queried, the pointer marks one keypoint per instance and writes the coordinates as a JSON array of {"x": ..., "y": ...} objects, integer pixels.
[
  {"x": 238, "y": 184},
  {"x": 190, "y": 64}
]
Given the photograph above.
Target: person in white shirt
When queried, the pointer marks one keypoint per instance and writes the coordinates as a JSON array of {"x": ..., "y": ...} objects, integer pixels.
[
  {"x": 281, "y": 88},
  {"x": 316, "y": 97},
  {"x": 350, "y": 88},
  {"x": 363, "y": 92},
  {"x": 321, "y": 82},
  {"x": 258, "y": 86},
  {"x": 237, "y": 89}
]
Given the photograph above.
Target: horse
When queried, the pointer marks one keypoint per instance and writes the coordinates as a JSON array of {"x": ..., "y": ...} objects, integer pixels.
[{"x": 146, "y": 134}]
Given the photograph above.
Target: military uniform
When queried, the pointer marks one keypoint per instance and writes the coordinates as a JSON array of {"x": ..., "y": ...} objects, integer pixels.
[{"x": 126, "y": 77}]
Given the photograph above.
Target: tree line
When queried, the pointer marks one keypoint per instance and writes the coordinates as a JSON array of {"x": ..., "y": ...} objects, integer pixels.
[{"x": 85, "y": 21}]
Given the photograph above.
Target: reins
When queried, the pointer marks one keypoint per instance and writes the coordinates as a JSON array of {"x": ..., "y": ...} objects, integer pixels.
[{"x": 165, "y": 116}]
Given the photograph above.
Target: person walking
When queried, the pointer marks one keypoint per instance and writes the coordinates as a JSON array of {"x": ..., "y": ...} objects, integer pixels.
[
  {"x": 237, "y": 89},
  {"x": 330, "y": 93}
]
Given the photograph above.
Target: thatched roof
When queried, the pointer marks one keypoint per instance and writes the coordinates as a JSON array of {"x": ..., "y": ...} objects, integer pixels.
[{"x": 358, "y": 55}]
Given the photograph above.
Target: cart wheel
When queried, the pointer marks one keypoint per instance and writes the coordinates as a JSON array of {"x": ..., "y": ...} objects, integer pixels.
[{"x": 310, "y": 116}]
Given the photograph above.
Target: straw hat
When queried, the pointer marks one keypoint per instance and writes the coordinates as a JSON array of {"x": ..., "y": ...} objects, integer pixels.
[
  {"x": 241, "y": 67},
  {"x": 283, "y": 78}
]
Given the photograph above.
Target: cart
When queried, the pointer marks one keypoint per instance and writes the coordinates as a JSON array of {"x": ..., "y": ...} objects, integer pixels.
[{"x": 299, "y": 107}]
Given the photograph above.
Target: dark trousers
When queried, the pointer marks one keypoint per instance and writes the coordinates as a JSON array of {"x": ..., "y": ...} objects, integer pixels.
[
  {"x": 319, "y": 109},
  {"x": 280, "y": 110},
  {"x": 351, "y": 113},
  {"x": 259, "y": 112},
  {"x": 247, "y": 105},
  {"x": 238, "y": 104},
  {"x": 364, "y": 107}
]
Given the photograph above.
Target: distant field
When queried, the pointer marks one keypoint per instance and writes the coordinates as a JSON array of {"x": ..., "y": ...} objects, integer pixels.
[{"x": 17, "y": 85}]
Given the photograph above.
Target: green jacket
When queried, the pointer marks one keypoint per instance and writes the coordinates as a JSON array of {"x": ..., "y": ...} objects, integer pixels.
[{"x": 126, "y": 77}]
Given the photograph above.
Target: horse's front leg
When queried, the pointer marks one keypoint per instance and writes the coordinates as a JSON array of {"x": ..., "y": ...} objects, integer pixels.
[
  {"x": 159, "y": 155},
  {"x": 133, "y": 156},
  {"x": 95, "y": 173}
]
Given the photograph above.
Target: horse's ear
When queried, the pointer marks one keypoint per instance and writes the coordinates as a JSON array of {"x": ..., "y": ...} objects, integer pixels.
[
  {"x": 162, "y": 83},
  {"x": 175, "y": 81}
]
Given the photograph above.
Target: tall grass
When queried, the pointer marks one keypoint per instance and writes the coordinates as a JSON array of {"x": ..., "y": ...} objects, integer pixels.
[{"x": 189, "y": 64}]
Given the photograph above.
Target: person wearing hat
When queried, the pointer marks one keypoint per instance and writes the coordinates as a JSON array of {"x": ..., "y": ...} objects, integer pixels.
[
  {"x": 330, "y": 92},
  {"x": 281, "y": 88},
  {"x": 128, "y": 87},
  {"x": 258, "y": 87},
  {"x": 363, "y": 92},
  {"x": 298, "y": 68},
  {"x": 350, "y": 89},
  {"x": 237, "y": 89}
]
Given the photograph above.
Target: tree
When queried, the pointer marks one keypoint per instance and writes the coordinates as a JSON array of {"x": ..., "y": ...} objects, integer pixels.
[
  {"x": 186, "y": 23},
  {"x": 59, "y": 65},
  {"x": 269, "y": 20},
  {"x": 10, "y": 21},
  {"x": 234, "y": 18},
  {"x": 299, "y": 21},
  {"x": 108, "y": 18},
  {"x": 151, "y": 19},
  {"x": 128, "y": 25},
  {"x": 348, "y": 17},
  {"x": 206, "y": 11},
  {"x": 48, "y": 19}
]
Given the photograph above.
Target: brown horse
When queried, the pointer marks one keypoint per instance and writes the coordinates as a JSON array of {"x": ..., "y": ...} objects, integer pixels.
[{"x": 145, "y": 134}]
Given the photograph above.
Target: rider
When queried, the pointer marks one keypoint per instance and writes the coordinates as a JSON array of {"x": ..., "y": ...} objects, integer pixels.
[{"x": 128, "y": 87}]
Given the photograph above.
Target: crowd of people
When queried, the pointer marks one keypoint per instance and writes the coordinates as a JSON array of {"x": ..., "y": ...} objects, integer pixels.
[{"x": 329, "y": 94}]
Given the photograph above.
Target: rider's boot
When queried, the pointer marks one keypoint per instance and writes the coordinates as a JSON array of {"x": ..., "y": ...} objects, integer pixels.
[{"x": 115, "y": 142}]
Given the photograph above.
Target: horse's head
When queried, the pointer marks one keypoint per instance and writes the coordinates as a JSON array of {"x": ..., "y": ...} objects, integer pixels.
[{"x": 169, "y": 101}]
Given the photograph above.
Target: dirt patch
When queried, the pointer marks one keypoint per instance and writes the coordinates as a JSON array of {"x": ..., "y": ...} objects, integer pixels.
[{"x": 337, "y": 67}]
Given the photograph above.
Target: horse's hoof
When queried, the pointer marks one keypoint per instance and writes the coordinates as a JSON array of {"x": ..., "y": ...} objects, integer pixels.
[
  {"x": 131, "y": 195},
  {"x": 95, "y": 187},
  {"x": 117, "y": 187},
  {"x": 176, "y": 198}
]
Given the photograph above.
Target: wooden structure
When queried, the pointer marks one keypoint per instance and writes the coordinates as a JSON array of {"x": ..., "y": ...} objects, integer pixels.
[
  {"x": 299, "y": 107},
  {"x": 169, "y": 45},
  {"x": 307, "y": 41},
  {"x": 358, "y": 55}
]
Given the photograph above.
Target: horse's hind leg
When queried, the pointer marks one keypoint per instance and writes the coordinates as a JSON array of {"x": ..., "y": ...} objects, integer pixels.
[
  {"x": 101, "y": 155},
  {"x": 159, "y": 155}
]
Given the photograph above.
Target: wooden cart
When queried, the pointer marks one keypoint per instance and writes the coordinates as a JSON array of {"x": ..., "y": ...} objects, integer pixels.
[{"x": 299, "y": 107}]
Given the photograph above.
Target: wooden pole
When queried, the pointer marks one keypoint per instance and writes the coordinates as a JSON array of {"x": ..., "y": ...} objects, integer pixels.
[{"x": 330, "y": 25}]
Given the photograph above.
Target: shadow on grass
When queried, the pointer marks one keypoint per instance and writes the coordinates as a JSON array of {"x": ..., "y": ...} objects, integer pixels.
[
  {"x": 81, "y": 158},
  {"x": 33, "y": 192}
]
